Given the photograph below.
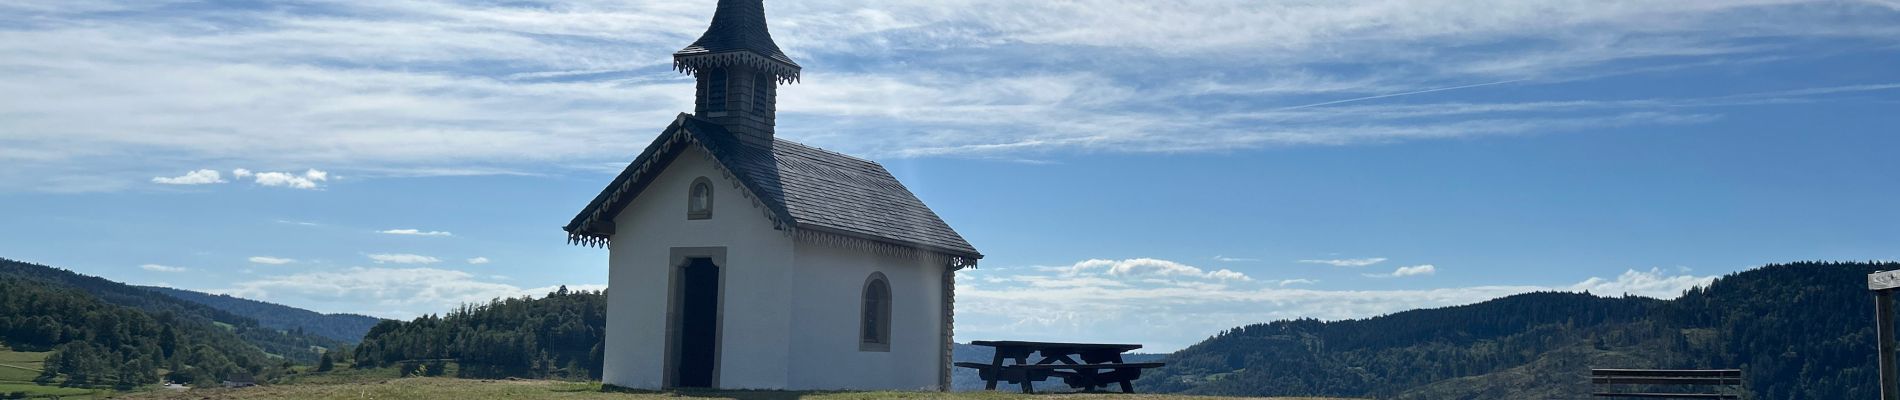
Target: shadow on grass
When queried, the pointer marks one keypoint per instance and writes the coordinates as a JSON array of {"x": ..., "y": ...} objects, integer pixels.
[
  {"x": 720, "y": 393},
  {"x": 577, "y": 389}
]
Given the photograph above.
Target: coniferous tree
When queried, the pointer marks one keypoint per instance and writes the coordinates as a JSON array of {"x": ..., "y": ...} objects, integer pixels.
[{"x": 324, "y": 363}]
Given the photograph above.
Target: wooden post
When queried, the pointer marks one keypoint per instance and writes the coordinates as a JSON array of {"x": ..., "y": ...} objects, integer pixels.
[
  {"x": 1883, "y": 284},
  {"x": 996, "y": 364},
  {"x": 1889, "y": 382}
]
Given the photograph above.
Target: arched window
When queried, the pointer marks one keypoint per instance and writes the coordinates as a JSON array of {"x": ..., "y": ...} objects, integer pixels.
[
  {"x": 699, "y": 199},
  {"x": 874, "y": 322}
]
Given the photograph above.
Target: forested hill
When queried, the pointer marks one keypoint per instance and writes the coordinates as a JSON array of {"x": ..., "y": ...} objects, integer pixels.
[
  {"x": 294, "y": 346},
  {"x": 1799, "y": 331},
  {"x": 102, "y": 333},
  {"x": 347, "y": 328},
  {"x": 557, "y": 336}
]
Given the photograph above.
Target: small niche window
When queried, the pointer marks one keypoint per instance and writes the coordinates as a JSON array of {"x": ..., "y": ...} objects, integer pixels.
[
  {"x": 699, "y": 199},
  {"x": 874, "y": 327}
]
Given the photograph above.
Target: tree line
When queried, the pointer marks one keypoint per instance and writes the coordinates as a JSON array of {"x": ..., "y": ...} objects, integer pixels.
[{"x": 558, "y": 336}]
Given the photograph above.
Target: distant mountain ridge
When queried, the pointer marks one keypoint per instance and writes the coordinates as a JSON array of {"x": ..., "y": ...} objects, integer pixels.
[
  {"x": 347, "y": 328},
  {"x": 1798, "y": 331}
]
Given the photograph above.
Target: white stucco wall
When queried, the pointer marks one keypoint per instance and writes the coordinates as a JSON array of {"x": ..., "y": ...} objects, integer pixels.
[
  {"x": 827, "y": 292},
  {"x": 756, "y": 299},
  {"x": 790, "y": 308}
]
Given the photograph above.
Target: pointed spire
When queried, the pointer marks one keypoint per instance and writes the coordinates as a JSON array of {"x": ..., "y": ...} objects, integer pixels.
[{"x": 738, "y": 36}]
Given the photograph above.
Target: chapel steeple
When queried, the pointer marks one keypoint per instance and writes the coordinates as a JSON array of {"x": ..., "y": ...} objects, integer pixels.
[{"x": 739, "y": 69}]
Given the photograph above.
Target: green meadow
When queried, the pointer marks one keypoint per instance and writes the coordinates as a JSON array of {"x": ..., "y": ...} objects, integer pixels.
[
  {"x": 17, "y": 370},
  {"x": 470, "y": 389}
]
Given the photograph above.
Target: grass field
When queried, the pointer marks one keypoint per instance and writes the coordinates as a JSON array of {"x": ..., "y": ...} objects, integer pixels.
[
  {"x": 18, "y": 368},
  {"x": 466, "y": 389},
  {"x": 48, "y": 391}
]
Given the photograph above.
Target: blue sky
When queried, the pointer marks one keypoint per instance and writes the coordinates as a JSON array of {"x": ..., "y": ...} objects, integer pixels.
[{"x": 1135, "y": 171}]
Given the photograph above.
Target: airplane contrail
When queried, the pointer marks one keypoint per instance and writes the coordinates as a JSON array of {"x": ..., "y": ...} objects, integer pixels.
[{"x": 1401, "y": 94}]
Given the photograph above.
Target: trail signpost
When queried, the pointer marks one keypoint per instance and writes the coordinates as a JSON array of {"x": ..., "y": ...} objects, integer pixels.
[{"x": 1883, "y": 284}]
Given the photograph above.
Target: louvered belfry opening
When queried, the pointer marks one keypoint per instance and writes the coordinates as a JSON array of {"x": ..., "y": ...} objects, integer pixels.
[
  {"x": 738, "y": 69},
  {"x": 741, "y": 99}
]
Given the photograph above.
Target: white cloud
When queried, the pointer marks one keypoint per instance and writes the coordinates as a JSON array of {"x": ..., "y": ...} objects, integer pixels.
[
  {"x": 271, "y": 260},
  {"x": 308, "y": 180},
  {"x": 1416, "y": 270},
  {"x": 403, "y": 259},
  {"x": 1653, "y": 283},
  {"x": 478, "y": 260},
  {"x": 410, "y": 88},
  {"x": 388, "y": 292},
  {"x": 414, "y": 232},
  {"x": 1426, "y": 269},
  {"x": 1348, "y": 262},
  {"x": 1168, "y": 314},
  {"x": 299, "y": 223},
  {"x": 1234, "y": 259},
  {"x": 199, "y": 177},
  {"x": 1151, "y": 266},
  {"x": 1227, "y": 275},
  {"x": 1066, "y": 281},
  {"x": 162, "y": 268}
]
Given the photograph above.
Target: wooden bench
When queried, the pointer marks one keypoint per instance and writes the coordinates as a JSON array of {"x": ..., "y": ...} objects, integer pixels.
[
  {"x": 1083, "y": 376},
  {"x": 1717, "y": 383}
]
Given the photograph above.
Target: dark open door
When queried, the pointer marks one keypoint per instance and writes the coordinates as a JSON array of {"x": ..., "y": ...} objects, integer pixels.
[{"x": 699, "y": 323}]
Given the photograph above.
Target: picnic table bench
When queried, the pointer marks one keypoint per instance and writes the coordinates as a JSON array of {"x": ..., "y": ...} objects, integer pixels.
[
  {"x": 1099, "y": 365},
  {"x": 1727, "y": 382}
]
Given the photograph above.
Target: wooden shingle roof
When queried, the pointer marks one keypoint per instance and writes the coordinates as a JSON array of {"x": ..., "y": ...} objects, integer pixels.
[
  {"x": 800, "y": 188},
  {"x": 738, "y": 36}
]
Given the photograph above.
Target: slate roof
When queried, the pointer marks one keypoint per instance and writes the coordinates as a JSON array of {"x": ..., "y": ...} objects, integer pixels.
[
  {"x": 738, "y": 35},
  {"x": 802, "y": 187}
]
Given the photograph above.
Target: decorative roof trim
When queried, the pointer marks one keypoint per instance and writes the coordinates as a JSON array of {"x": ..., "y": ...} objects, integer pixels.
[
  {"x": 948, "y": 320},
  {"x": 695, "y": 63},
  {"x": 595, "y": 228},
  {"x": 594, "y": 225},
  {"x": 830, "y": 237}
]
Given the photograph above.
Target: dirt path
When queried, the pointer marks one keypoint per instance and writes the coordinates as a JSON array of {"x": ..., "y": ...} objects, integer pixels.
[{"x": 20, "y": 367}]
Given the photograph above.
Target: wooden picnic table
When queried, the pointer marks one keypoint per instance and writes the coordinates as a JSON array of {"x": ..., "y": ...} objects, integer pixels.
[
  {"x": 1099, "y": 364},
  {"x": 1716, "y": 383}
]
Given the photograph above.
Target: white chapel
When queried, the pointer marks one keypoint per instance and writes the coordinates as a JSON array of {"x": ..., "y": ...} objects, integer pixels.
[{"x": 740, "y": 260}]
